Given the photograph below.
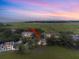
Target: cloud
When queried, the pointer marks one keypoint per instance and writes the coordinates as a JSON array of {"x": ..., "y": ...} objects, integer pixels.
[
  {"x": 43, "y": 9},
  {"x": 38, "y": 3},
  {"x": 73, "y": 15}
]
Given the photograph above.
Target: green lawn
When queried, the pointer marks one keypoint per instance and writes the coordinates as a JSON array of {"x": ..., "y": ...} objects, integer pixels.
[{"x": 54, "y": 52}]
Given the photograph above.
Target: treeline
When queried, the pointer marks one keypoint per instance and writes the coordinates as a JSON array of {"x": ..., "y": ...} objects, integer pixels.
[
  {"x": 65, "y": 39},
  {"x": 51, "y": 21},
  {"x": 7, "y": 34}
]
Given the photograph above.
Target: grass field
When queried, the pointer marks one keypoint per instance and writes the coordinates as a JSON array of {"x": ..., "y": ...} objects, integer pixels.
[
  {"x": 53, "y": 52},
  {"x": 48, "y": 26}
]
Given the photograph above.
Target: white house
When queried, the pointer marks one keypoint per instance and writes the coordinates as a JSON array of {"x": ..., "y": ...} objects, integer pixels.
[
  {"x": 48, "y": 35},
  {"x": 75, "y": 37},
  {"x": 27, "y": 34},
  {"x": 42, "y": 42},
  {"x": 8, "y": 46}
]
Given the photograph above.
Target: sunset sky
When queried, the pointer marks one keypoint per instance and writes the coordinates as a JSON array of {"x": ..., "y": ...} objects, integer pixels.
[{"x": 25, "y": 10}]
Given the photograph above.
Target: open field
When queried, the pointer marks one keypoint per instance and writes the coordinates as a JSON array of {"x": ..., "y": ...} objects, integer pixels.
[
  {"x": 48, "y": 26},
  {"x": 54, "y": 52}
]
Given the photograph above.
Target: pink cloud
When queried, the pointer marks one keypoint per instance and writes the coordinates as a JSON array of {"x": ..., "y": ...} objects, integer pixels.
[
  {"x": 72, "y": 14},
  {"x": 66, "y": 15},
  {"x": 37, "y": 3},
  {"x": 75, "y": 7}
]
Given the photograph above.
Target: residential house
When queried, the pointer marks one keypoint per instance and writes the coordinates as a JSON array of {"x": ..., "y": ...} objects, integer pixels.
[
  {"x": 48, "y": 35},
  {"x": 75, "y": 37},
  {"x": 9, "y": 46},
  {"x": 27, "y": 34},
  {"x": 53, "y": 34}
]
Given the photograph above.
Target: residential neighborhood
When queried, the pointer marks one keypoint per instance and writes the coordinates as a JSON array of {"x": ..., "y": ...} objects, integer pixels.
[{"x": 34, "y": 38}]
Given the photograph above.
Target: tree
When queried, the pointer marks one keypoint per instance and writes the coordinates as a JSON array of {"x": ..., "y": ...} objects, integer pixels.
[
  {"x": 66, "y": 38},
  {"x": 21, "y": 49},
  {"x": 7, "y": 35}
]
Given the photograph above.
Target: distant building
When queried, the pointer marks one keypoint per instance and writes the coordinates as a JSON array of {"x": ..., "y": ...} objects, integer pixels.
[
  {"x": 48, "y": 35},
  {"x": 75, "y": 37},
  {"x": 13, "y": 30},
  {"x": 42, "y": 42},
  {"x": 9, "y": 46},
  {"x": 27, "y": 34},
  {"x": 53, "y": 34}
]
